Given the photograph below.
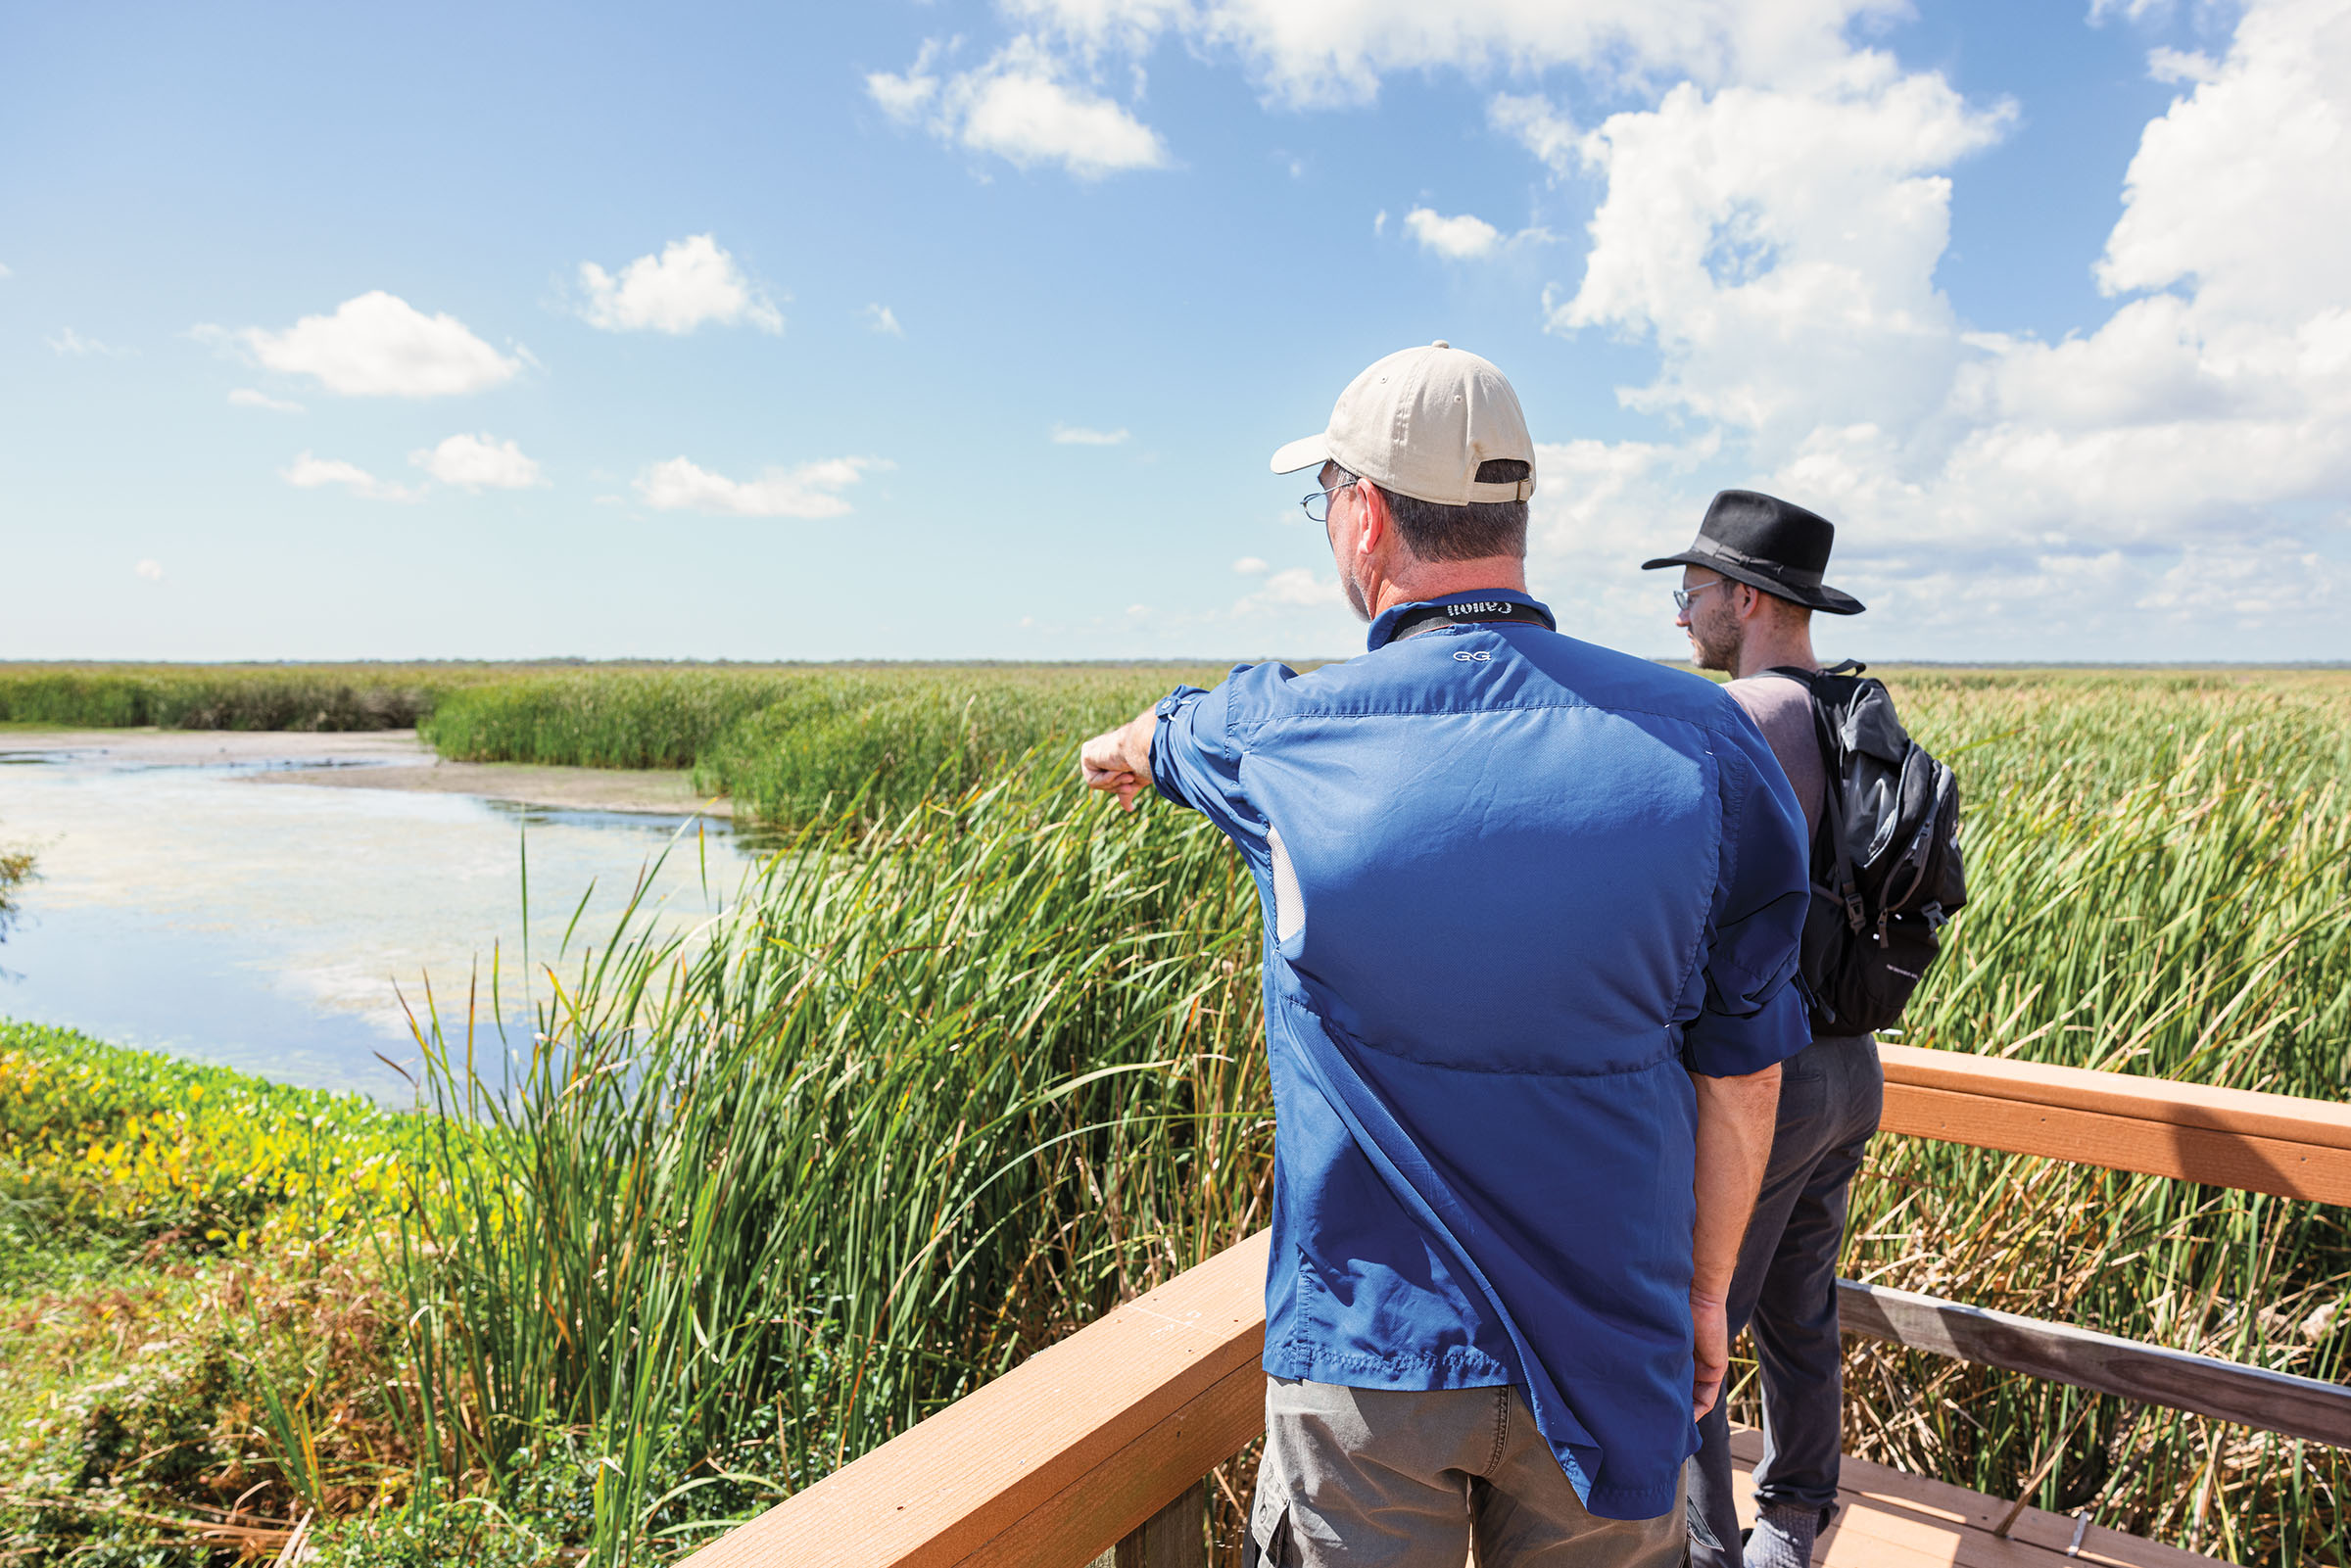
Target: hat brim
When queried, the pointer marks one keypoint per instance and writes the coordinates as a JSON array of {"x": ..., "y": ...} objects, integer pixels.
[
  {"x": 1312, "y": 451},
  {"x": 1824, "y": 598}
]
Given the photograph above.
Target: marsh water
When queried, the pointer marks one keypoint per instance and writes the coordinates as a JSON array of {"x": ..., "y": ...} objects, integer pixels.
[{"x": 224, "y": 903}]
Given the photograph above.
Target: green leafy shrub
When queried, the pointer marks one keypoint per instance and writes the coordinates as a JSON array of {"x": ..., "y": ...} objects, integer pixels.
[
  {"x": 151, "y": 1144},
  {"x": 192, "y": 1335}
]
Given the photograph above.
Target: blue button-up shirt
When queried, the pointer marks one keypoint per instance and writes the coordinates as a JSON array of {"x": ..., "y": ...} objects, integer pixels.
[{"x": 1516, "y": 889}]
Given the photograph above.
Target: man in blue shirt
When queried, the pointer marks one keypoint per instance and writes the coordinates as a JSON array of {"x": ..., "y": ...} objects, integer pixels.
[{"x": 1531, "y": 910}]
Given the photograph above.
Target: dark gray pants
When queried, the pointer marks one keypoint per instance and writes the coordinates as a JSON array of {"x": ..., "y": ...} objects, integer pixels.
[{"x": 1786, "y": 1290}]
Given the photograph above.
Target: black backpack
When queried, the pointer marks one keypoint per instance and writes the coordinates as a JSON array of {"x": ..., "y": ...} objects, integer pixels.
[{"x": 1886, "y": 867}]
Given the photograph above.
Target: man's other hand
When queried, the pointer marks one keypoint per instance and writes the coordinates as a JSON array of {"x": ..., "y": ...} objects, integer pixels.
[
  {"x": 1710, "y": 1332},
  {"x": 1119, "y": 760}
]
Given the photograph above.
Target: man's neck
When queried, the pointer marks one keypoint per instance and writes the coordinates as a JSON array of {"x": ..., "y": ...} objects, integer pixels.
[
  {"x": 1430, "y": 580},
  {"x": 1760, "y": 650}
]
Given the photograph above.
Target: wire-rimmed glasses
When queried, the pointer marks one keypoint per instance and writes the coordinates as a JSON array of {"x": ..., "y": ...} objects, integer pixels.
[
  {"x": 1317, "y": 504},
  {"x": 1682, "y": 596}
]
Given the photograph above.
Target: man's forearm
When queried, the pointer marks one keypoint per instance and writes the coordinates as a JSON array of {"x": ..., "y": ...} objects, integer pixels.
[
  {"x": 1735, "y": 1122},
  {"x": 1736, "y": 1117}
]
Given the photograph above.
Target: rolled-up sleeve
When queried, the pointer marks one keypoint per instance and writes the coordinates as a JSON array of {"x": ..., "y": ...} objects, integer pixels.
[
  {"x": 1195, "y": 760},
  {"x": 1753, "y": 1013}
]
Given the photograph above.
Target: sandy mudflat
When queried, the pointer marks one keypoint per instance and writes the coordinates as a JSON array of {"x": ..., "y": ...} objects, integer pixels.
[
  {"x": 377, "y": 759},
  {"x": 662, "y": 791},
  {"x": 197, "y": 748}
]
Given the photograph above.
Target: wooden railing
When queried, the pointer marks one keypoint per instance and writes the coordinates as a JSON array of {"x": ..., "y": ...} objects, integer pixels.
[{"x": 1093, "y": 1449}]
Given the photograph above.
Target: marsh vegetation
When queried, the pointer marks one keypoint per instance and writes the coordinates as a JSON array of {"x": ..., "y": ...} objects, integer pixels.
[{"x": 972, "y": 1058}]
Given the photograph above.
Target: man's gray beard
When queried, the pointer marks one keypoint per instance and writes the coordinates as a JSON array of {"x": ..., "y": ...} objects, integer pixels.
[{"x": 1354, "y": 595}]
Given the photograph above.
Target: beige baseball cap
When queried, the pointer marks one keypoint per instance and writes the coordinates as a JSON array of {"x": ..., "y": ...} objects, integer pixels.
[{"x": 1420, "y": 423}]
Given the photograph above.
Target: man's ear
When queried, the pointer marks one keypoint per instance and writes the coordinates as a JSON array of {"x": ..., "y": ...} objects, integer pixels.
[{"x": 1376, "y": 522}]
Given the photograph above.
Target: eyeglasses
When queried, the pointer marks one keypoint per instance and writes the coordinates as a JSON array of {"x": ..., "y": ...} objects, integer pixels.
[
  {"x": 1317, "y": 504},
  {"x": 1683, "y": 596}
]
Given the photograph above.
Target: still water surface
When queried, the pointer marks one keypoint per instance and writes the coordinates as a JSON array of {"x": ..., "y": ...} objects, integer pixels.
[{"x": 182, "y": 906}]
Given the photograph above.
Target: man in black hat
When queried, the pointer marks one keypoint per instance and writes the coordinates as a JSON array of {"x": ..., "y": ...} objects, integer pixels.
[{"x": 1750, "y": 584}]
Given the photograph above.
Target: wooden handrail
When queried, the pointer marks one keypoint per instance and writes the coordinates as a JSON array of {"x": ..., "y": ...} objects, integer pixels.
[
  {"x": 1055, "y": 1462},
  {"x": 2270, "y": 1143},
  {"x": 1057, "y": 1459},
  {"x": 2061, "y": 1353}
]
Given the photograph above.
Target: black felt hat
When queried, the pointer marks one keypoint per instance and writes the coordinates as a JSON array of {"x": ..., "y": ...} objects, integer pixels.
[{"x": 1770, "y": 543}]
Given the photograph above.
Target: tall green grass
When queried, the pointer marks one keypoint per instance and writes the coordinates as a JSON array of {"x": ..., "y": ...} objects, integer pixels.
[
  {"x": 940, "y": 1091},
  {"x": 794, "y": 746},
  {"x": 225, "y": 697},
  {"x": 2161, "y": 884},
  {"x": 930, "y": 1098},
  {"x": 601, "y": 718},
  {"x": 878, "y": 742}
]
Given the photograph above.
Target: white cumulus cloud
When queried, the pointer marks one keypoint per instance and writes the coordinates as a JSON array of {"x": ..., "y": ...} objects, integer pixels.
[
  {"x": 1533, "y": 120},
  {"x": 479, "y": 462},
  {"x": 376, "y": 345},
  {"x": 151, "y": 570},
  {"x": 692, "y": 281},
  {"x": 882, "y": 319},
  {"x": 1337, "y": 50},
  {"x": 1023, "y": 107},
  {"x": 307, "y": 472},
  {"x": 1296, "y": 587},
  {"x": 811, "y": 490},
  {"x": 68, "y": 342},
  {"x": 1779, "y": 247},
  {"x": 2173, "y": 476},
  {"x": 1463, "y": 238},
  {"x": 1080, "y": 436},
  {"x": 249, "y": 398},
  {"x": 1250, "y": 566}
]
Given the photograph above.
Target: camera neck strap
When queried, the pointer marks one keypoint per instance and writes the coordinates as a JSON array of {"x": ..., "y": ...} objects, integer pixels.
[{"x": 1432, "y": 617}]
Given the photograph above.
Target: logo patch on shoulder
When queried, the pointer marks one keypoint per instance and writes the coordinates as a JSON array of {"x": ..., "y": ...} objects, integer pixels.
[{"x": 1474, "y": 656}]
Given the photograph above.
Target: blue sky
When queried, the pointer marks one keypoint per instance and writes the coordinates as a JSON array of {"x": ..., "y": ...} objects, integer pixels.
[{"x": 748, "y": 332}]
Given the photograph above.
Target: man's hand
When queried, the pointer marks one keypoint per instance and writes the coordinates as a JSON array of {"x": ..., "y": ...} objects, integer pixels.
[
  {"x": 1711, "y": 1329},
  {"x": 1120, "y": 760}
]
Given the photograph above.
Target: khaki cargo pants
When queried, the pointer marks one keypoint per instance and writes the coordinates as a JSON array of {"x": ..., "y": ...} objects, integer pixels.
[{"x": 1390, "y": 1478}]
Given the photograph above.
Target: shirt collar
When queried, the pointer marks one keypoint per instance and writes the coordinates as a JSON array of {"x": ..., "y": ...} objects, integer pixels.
[{"x": 1385, "y": 626}]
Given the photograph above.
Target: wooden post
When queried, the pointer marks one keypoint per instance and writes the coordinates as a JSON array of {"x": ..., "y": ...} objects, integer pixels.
[{"x": 1175, "y": 1536}]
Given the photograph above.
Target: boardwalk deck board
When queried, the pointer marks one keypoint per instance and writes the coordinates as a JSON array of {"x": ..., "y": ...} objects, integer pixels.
[{"x": 1893, "y": 1520}]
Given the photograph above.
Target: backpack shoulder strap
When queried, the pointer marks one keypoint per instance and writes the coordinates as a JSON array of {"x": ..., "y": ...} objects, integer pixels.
[{"x": 1832, "y": 814}]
